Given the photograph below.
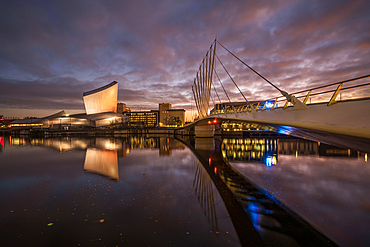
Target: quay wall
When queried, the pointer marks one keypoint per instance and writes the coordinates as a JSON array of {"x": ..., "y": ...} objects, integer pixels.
[{"x": 96, "y": 132}]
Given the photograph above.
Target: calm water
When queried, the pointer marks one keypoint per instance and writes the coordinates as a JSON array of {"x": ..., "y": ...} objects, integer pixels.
[{"x": 158, "y": 191}]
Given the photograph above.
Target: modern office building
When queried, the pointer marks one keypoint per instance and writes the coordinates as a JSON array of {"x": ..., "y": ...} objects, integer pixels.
[
  {"x": 164, "y": 117},
  {"x": 164, "y": 113},
  {"x": 170, "y": 117},
  {"x": 143, "y": 118},
  {"x": 177, "y": 117}
]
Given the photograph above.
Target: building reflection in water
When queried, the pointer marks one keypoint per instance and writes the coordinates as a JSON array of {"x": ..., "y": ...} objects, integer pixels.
[
  {"x": 251, "y": 149},
  {"x": 103, "y": 162},
  {"x": 267, "y": 150},
  {"x": 102, "y": 152}
]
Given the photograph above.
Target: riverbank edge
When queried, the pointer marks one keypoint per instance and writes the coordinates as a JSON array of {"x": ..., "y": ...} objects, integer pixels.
[{"x": 122, "y": 132}]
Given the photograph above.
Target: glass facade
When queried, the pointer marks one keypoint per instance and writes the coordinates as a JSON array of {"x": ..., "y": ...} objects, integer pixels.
[{"x": 143, "y": 119}]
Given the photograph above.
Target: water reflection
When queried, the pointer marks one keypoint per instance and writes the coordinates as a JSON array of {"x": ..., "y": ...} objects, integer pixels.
[
  {"x": 257, "y": 216},
  {"x": 251, "y": 149},
  {"x": 101, "y": 152},
  {"x": 325, "y": 184},
  {"x": 103, "y": 162},
  {"x": 2, "y": 143},
  {"x": 205, "y": 192},
  {"x": 267, "y": 150},
  {"x": 50, "y": 201},
  {"x": 259, "y": 219}
]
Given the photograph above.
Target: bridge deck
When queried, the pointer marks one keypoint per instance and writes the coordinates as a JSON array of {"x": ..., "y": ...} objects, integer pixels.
[{"x": 345, "y": 117}]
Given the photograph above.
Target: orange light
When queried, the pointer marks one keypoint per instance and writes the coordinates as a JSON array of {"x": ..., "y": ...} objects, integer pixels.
[
  {"x": 215, "y": 121},
  {"x": 209, "y": 161},
  {"x": 215, "y": 170},
  {"x": 209, "y": 122}
]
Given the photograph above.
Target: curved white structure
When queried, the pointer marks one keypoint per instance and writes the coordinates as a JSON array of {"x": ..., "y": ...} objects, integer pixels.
[{"x": 103, "y": 99}]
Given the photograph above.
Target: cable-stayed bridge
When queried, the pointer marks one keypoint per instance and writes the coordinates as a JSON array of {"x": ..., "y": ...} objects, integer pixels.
[{"x": 341, "y": 107}]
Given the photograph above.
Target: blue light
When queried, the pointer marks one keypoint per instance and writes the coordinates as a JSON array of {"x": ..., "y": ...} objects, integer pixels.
[
  {"x": 286, "y": 130},
  {"x": 271, "y": 161},
  {"x": 269, "y": 104}
]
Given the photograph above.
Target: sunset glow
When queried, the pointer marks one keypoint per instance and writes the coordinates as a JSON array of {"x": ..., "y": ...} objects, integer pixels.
[{"x": 52, "y": 52}]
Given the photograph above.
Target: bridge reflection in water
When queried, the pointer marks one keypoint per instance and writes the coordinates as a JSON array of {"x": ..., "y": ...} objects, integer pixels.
[{"x": 259, "y": 219}]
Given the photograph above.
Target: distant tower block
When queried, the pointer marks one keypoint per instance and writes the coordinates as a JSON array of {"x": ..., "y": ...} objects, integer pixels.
[
  {"x": 103, "y": 99},
  {"x": 121, "y": 108}
]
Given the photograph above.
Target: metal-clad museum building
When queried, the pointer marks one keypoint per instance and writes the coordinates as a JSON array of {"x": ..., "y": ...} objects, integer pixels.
[{"x": 100, "y": 106}]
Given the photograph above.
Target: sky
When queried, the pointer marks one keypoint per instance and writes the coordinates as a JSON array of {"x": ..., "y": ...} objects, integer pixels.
[{"x": 53, "y": 51}]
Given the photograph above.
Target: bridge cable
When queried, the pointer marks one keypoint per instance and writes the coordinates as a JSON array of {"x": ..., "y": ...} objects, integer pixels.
[
  {"x": 214, "y": 88},
  {"x": 216, "y": 93},
  {"x": 290, "y": 98},
  {"x": 214, "y": 103},
  {"x": 235, "y": 84},
  {"x": 250, "y": 67},
  {"x": 225, "y": 92}
]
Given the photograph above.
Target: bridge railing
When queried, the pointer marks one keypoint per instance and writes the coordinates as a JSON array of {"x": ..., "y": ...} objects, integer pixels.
[{"x": 329, "y": 94}]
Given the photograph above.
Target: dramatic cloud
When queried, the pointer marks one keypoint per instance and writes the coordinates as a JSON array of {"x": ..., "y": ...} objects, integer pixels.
[{"x": 53, "y": 51}]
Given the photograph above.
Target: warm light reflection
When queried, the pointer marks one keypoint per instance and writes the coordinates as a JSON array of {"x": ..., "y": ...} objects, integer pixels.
[
  {"x": 366, "y": 157},
  {"x": 258, "y": 149},
  {"x": 248, "y": 149},
  {"x": 25, "y": 125},
  {"x": 109, "y": 119},
  {"x": 18, "y": 141},
  {"x": 110, "y": 146},
  {"x": 104, "y": 162}
]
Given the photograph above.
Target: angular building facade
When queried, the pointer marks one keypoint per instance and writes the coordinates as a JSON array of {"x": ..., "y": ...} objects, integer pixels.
[
  {"x": 101, "y": 111},
  {"x": 103, "y": 99}
]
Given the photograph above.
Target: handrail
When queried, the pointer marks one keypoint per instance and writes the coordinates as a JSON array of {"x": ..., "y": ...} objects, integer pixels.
[
  {"x": 332, "y": 84},
  {"x": 336, "y": 91},
  {"x": 256, "y": 106},
  {"x": 362, "y": 85}
]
